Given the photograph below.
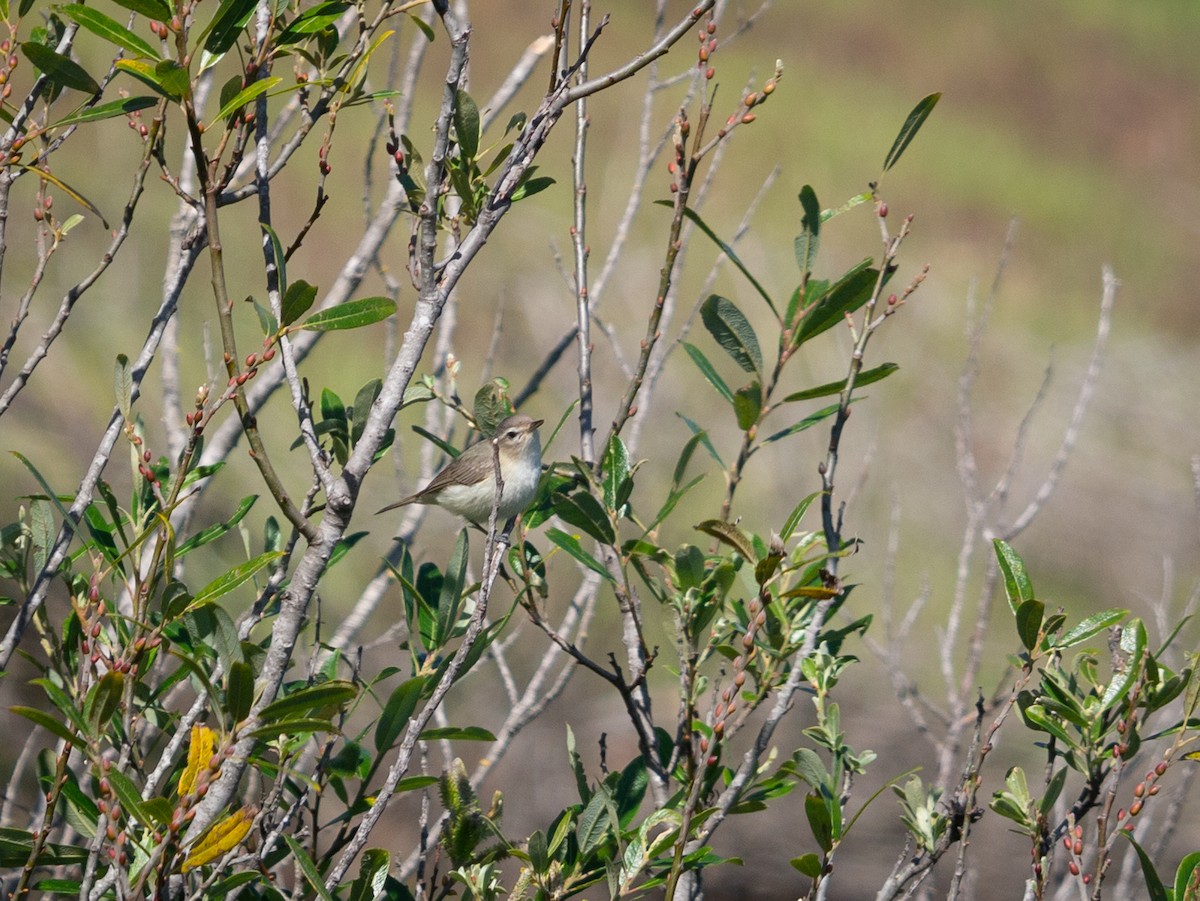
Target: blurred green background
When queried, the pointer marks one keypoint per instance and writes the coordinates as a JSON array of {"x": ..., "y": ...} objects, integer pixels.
[{"x": 1077, "y": 119}]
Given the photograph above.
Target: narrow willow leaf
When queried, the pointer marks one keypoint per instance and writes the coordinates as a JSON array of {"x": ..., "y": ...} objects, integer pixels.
[
  {"x": 66, "y": 189},
  {"x": 352, "y": 314},
  {"x": 313, "y": 20},
  {"x": 806, "y": 423},
  {"x": 47, "y": 722},
  {"x": 581, "y": 509},
  {"x": 809, "y": 239},
  {"x": 909, "y": 130},
  {"x": 830, "y": 388},
  {"x": 162, "y": 77},
  {"x": 848, "y": 293},
  {"x": 1029, "y": 622},
  {"x": 244, "y": 96},
  {"x": 457, "y": 733},
  {"x": 732, "y": 330},
  {"x": 728, "y": 251},
  {"x": 60, "y": 69},
  {"x": 335, "y": 694},
  {"x": 1017, "y": 585},
  {"x": 109, "y": 29},
  {"x": 1097, "y": 622},
  {"x": 222, "y": 837},
  {"x": 297, "y": 301},
  {"x": 106, "y": 111},
  {"x": 570, "y": 544},
  {"x": 530, "y": 186},
  {"x": 123, "y": 386},
  {"x": 231, "y": 17},
  {"x": 702, "y": 436},
  {"x": 614, "y": 471},
  {"x": 710, "y": 374},
  {"x": 227, "y": 582},
  {"x": 130, "y": 796},
  {"x": 466, "y": 125},
  {"x": 1155, "y": 890},
  {"x": 279, "y": 256},
  {"x": 372, "y": 875},
  {"x": 731, "y": 535},
  {"x": 239, "y": 691},
  {"x": 747, "y": 405},
  {"x": 397, "y": 712},
  {"x": 215, "y": 531},
  {"x": 151, "y": 9}
]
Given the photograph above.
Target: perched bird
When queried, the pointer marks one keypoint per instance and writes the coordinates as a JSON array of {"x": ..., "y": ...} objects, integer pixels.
[{"x": 467, "y": 486}]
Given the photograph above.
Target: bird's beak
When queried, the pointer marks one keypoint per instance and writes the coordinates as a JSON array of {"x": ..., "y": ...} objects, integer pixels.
[{"x": 536, "y": 424}]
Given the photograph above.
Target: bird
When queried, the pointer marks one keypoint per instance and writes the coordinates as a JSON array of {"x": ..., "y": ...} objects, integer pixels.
[{"x": 467, "y": 486}]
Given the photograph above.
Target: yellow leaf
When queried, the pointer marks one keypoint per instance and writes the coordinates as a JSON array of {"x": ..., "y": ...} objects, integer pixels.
[
  {"x": 224, "y": 836},
  {"x": 200, "y": 752}
]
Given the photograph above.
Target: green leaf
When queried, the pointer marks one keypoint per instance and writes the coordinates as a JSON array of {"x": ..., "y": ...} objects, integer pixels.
[
  {"x": 61, "y": 70},
  {"x": 47, "y": 722},
  {"x": 334, "y": 694},
  {"x": 1183, "y": 875},
  {"x": 227, "y": 24},
  {"x": 372, "y": 875},
  {"x": 466, "y": 125},
  {"x": 584, "y": 511},
  {"x": 397, "y": 712},
  {"x": 104, "y": 699},
  {"x": 215, "y": 531},
  {"x": 530, "y": 186},
  {"x": 244, "y": 96},
  {"x": 312, "y": 21},
  {"x": 732, "y": 330},
  {"x": 806, "y": 423},
  {"x": 829, "y": 388},
  {"x": 817, "y": 812},
  {"x": 457, "y": 733},
  {"x": 731, "y": 535},
  {"x": 727, "y": 250},
  {"x": 291, "y": 728},
  {"x": 1155, "y": 890},
  {"x": 710, "y": 374},
  {"x": 570, "y": 544},
  {"x": 807, "y": 864},
  {"x": 109, "y": 29},
  {"x": 1095, "y": 623},
  {"x": 280, "y": 260},
  {"x": 106, "y": 110},
  {"x": 595, "y": 822},
  {"x": 151, "y": 9},
  {"x": 130, "y": 796},
  {"x": 362, "y": 408},
  {"x": 747, "y": 405},
  {"x": 909, "y": 130},
  {"x": 848, "y": 293},
  {"x": 66, "y": 189},
  {"x": 492, "y": 405},
  {"x": 297, "y": 300},
  {"x": 308, "y": 868},
  {"x": 123, "y": 386},
  {"x": 614, "y": 473},
  {"x": 1017, "y": 585},
  {"x": 1029, "y": 622},
  {"x": 809, "y": 239},
  {"x": 239, "y": 691},
  {"x": 352, "y": 314},
  {"x": 167, "y": 77},
  {"x": 227, "y": 582},
  {"x": 450, "y": 598}
]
